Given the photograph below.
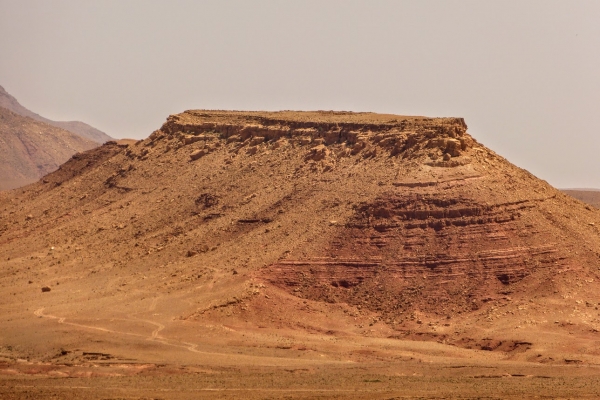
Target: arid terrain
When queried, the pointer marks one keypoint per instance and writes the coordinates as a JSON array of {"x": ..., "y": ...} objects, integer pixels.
[
  {"x": 32, "y": 146},
  {"x": 31, "y": 149},
  {"x": 589, "y": 196},
  {"x": 298, "y": 255},
  {"x": 77, "y": 127}
]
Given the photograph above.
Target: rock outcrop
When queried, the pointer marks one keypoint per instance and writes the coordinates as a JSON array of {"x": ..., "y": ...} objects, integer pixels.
[{"x": 351, "y": 133}]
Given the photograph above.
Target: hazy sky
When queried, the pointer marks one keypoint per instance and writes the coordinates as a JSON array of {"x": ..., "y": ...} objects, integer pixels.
[{"x": 524, "y": 74}]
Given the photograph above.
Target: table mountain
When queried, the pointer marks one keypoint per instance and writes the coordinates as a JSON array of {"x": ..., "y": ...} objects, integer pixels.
[{"x": 272, "y": 238}]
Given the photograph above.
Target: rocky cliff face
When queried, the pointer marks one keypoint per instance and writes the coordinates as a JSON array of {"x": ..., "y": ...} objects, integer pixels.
[
  {"x": 355, "y": 223},
  {"x": 351, "y": 133}
]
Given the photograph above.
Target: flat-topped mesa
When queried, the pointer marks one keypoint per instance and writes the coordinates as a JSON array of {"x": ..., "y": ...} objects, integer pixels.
[{"x": 353, "y": 132}]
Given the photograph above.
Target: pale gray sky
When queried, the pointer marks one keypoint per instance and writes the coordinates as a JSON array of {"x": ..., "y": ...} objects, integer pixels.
[{"x": 524, "y": 74}]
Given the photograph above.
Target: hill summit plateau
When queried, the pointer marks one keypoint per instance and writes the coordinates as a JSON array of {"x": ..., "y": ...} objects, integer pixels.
[{"x": 298, "y": 238}]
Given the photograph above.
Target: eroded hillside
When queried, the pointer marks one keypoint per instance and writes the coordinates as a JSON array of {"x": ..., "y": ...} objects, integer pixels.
[
  {"x": 262, "y": 233},
  {"x": 32, "y": 149},
  {"x": 79, "y": 128}
]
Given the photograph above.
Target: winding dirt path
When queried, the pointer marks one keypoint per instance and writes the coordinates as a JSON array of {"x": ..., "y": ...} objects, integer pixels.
[
  {"x": 61, "y": 320},
  {"x": 154, "y": 336}
]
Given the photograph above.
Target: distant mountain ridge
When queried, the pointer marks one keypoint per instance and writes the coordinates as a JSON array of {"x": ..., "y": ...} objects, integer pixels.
[
  {"x": 80, "y": 128},
  {"x": 30, "y": 149},
  {"x": 589, "y": 196}
]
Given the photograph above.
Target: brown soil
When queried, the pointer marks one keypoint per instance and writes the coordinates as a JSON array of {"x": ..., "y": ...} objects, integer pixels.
[{"x": 298, "y": 255}]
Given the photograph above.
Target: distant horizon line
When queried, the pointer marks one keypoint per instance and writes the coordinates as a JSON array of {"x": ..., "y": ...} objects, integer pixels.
[{"x": 581, "y": 189}]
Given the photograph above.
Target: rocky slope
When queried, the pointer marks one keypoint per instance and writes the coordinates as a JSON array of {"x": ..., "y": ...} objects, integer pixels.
[
  {"x": 250, "y": 237},
  {"x": 80, "y": 128},
  {"x": 31, "y": 149}
]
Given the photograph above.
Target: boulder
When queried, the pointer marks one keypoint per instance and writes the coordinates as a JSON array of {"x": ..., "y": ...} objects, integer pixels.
[
  {"x": 193, "y": 139},
  {"x": 318, "y": 153},
  {"x": 197, "y": 154},
  {"x": 257, "y": 140},
  {"x": 453, "y": 147},
  {"x": 358, "y": 146},
  {"x": 304, "y": 140},
  {"x": 252, "y": 150}
]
